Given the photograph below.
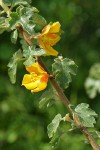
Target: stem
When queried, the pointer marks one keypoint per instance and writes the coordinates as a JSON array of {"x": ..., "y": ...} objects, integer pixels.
[{"x": 63, "y": 98}]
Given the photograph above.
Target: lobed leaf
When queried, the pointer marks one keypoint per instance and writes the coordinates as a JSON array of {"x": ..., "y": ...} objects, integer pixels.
[
  {"x": 28, "y": 17},
  {"x": 62, "y": 68},
  {"x": 17, "y": 56},
  {"x": 92, "y": 83},
  {"x": 53, "y": 126},
  {"x": 29, "y": 61},
  {"x": 86, "y": 115},
  {"x": 32, "y": 51}
]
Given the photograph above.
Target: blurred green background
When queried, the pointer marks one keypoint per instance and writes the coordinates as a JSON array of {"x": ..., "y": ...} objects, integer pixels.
[{"x": 23, "y": 126}]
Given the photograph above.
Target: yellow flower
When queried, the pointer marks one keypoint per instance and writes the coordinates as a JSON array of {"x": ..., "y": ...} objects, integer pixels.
[
  {"x": 37, "y": 79},
  {"x": 49, "y": 37}
]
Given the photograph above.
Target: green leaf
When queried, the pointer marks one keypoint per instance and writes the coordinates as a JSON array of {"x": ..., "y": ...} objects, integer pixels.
[
  {"x": 46, "y": 98},
  {"x": 62, "y": 68},
  {"x": 22, "y": 17},
  {"x": 14, "y": 20},
  {"x": 86, "y": 114},
  {"x": 14, "y": 36},
  {"x": 55, "y": 139},
  {"x": 4, "y": 25},
  {"x": 38, "y": 20},
  {"x": 38, "y": 52},
  {"x": 92, "y": 83},
  {"x": 27, "y": 17},
  {"x": 12, "y": 72},
  {"x": 31, "y": 50},
  {"x": 16, "y": 2},
  {"x": 53, "y": 126},
  {"x": 29, "y": 61},
  {"x": 24, "y": 47},
  {"x": 92, "y": 87},
  {"x": 17, "y": 56}
]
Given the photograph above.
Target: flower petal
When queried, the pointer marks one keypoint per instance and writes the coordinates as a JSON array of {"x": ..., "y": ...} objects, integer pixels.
[
  {"x": 40, "y": 87},
  {"x": 50, "y": 51},
  {"x": 35, "y": 68},
  {"x": 31, "y": 86},
  {"x": 46, "y": 29},
  {"x": 26, "y": 79},
  {"x": 55, "y": 27},
  {"x": 44, "y": 78},
  {"x": 52, "y": 39}
]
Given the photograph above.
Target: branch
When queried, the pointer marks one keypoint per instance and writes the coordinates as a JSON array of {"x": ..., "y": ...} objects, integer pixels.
[{"x": 62, "y": 97}]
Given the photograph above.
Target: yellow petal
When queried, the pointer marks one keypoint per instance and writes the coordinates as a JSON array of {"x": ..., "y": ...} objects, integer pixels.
[
  {"x": 31, "y": 86},
  {"x": 50, "y": 51},
  {"x": 46, "y": 29},
  {"x": 52, "y": 38},
  {"x": 26, "y": 79},
  {"x": 40, "y": 87},
  {"x": 55, "y": 27},
  {"x": 35, "y": 68}
]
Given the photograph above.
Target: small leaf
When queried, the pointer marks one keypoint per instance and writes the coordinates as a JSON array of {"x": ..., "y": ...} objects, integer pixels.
[
  {"x": 12, "y": 72},
  {"x": 38, "y": 20},
  {"x": 38, "y": 52},
  {"x": 48, "y": 97},
  {"x": 86, "y": 115},
  {"x": 30, "y": 60},
  {"x": 62, "y": 68},
  {"x": 27, "y": 51},
  {"x": 55, "y": 139},
  {"x": 92, "y": 83},
  {"x": 53, "y": 126},
  {"x": 92, "y": 87},
  {"x": 14, "y": 36},
  {"x": 17, "y": 56},
  {"x": 31, "y": 50},
  {"x": 14, "y": 20},
  {"x": 45, "y": 98}
]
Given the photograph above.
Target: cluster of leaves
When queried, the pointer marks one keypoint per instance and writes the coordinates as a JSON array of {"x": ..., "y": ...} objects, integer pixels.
[
  {"x": 86, "y": 116},
  {"x": 26, "y": 16}
]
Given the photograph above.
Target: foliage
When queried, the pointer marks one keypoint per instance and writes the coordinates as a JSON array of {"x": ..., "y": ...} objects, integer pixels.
[
  {"x": 86, "y": 115},
  {"x": 92, "y": 83},
  {"x": 52, "y": 127},
  {"x": 22, "y": 123},
  {"x": 62, "y": 68}
]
